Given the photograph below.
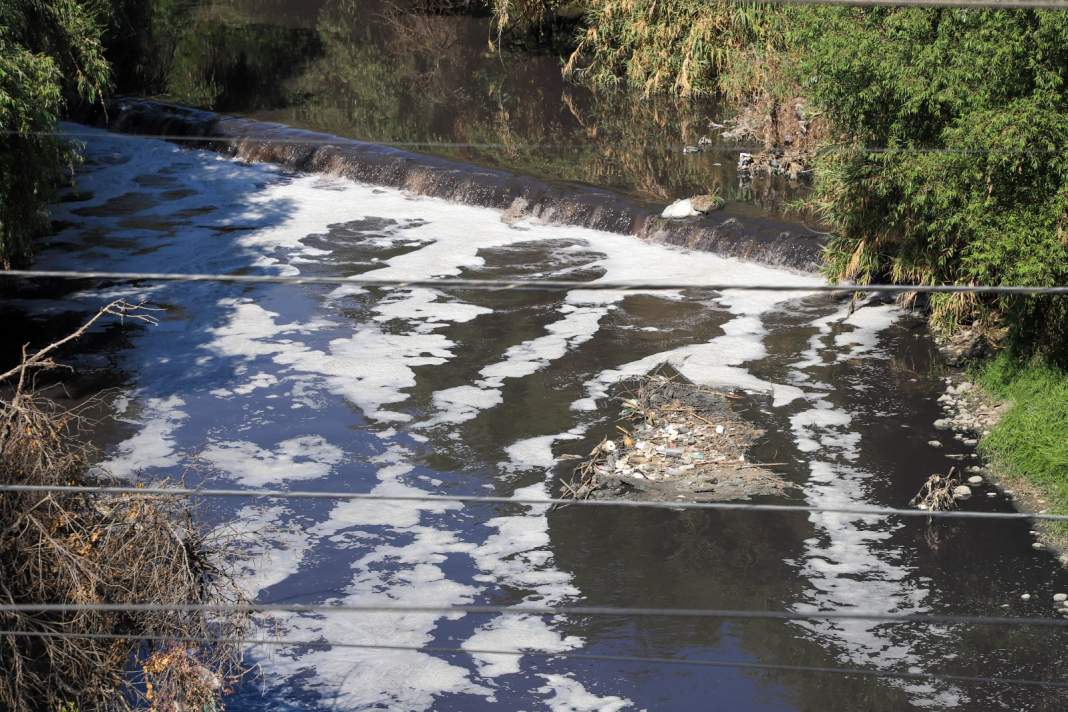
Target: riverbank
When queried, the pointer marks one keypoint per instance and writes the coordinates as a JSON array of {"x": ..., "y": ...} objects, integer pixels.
[
  {"x": 1028, "y": 446},
  {"x": 1016, "y": 413},
  {"x": 85, "y": 549}
]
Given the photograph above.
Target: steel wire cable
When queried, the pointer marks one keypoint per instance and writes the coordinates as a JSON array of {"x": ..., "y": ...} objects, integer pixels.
[
  {"x": 535, "y": 284},
  {"x": 531, "y": 501},
  {"x": 565, "y": 655},
  {"x": 534, "y": 610},
  {"x": 979, "y": 4},
  {"x": 338, "y": 141}
]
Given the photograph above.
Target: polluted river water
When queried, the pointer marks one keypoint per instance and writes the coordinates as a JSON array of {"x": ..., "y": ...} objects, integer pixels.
[
  {"x": 470, "y": 392},
  {"x": 413, "y": 391}
]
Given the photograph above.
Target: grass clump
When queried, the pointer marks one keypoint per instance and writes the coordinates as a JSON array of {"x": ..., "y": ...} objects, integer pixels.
[
  {"x": 1031, "y": 440},
  {"x": 685, "y": 47}
]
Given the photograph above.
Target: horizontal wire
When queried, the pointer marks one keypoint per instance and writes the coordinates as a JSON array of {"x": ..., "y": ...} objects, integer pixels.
[
  {"x": 336, "y": 141},
  {"x": 535, "y": 284},
  {"x": 530, "y": 501},
  {"x": 565, "y": 655},
  {"x": 981, "y": 4},
  {"x": 528, "y": 610}
]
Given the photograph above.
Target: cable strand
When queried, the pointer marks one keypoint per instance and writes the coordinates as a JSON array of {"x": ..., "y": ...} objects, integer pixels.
[{"x": 565, "y": 655}]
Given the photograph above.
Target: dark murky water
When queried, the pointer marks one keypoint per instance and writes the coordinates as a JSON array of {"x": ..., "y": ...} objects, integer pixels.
[
  {"x": 357, "y": 68},
  {"x": 409, "y": 391},
  {"x": 480, "y": 392}
]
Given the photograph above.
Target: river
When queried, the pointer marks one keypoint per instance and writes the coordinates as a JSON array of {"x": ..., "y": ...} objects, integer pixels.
[{"x": 410, "y": 391}]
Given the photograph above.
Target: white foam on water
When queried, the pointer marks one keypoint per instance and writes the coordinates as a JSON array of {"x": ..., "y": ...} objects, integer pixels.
[
  {"x": 396, "y": 514},
  {"x": 569, "y": 695},
  {"x": 462, "y": 403},
  {"x": 304, "y": 458},
  {"x": 271, "y": 549},
  {"x": 863, "y": 340},
  {"x": 535, "y": 453},
  {"x": 403, "y": 546},
  {"x": 153, "y": 445},
  {"x": 848, "y": 564}
]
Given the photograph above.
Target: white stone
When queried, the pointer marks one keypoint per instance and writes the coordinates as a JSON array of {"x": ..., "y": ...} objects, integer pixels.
[
  {"x": 1060, "y": 597},
  {"x": 1026, "y": 597},
  {"x": 1038, "y": 545},
  {"x": 679, "y": 209},
  {"x": 975, "y": 480},
  {"x": 934, "y": 443},
  {"x": 962, "y": 492}
]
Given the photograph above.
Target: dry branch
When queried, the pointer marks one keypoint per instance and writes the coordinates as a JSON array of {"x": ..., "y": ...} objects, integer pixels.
[{"x": 89, "y": 548}]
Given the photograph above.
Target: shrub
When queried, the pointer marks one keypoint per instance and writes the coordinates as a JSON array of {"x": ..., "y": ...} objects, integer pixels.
[
  {"x": 97, "y": 548},
  {"x": 974, "y": 106},
  {"x": 50, "y": 55}
]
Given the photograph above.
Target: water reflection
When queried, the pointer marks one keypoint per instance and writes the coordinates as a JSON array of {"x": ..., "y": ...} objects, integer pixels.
[
  {"x": 363, "y": 69},
  {"x": 262, "y": 385}
]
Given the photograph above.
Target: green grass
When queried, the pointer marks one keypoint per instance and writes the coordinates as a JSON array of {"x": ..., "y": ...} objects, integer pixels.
[{"x": 1031, "y": 441}]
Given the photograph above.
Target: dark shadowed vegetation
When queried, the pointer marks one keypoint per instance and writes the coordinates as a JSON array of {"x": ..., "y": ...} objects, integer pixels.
[{"x": 50, "y": 56}]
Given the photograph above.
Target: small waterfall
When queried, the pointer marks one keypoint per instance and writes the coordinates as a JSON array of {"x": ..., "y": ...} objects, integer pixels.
[{"x": 728, "y": 232}]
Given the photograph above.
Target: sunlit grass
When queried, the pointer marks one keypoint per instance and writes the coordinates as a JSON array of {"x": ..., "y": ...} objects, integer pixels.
[{"x": 1031, "y": 441}]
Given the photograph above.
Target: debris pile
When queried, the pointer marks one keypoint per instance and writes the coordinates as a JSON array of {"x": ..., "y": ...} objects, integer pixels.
[
  {"x": 680, "y": 441},
  {"x": 941, "y": 492}
]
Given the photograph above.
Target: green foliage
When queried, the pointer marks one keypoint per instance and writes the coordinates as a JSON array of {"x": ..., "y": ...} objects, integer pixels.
[
  {"x": 50, "y": 55},
  {"x": 1031, "y": 441},
  {"x": 983, "y": 96}
]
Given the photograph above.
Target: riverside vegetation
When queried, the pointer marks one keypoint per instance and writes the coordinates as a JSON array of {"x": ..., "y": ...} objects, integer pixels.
[
  {"x": 972, "y": 107},
  {"x": 98, "y": 548}
]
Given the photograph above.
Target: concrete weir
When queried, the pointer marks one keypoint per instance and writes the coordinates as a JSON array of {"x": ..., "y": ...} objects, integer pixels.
[{"x": 727, "y": 232}]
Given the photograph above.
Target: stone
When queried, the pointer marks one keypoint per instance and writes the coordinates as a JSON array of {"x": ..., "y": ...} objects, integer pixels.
[
  {"x": 1026, "y": 596},
  {"x": 706, "y": 203},
  {"x": 679, "y": 209},
  {"x": 975, "y": 480},
  {"x": 962, "y": 492},
  {"x": 1038, "y": 545},
  {"x": 942, "y": 424},
  {"x": 934, "y": 443},
  {"x": 1060, "y": 597}
]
